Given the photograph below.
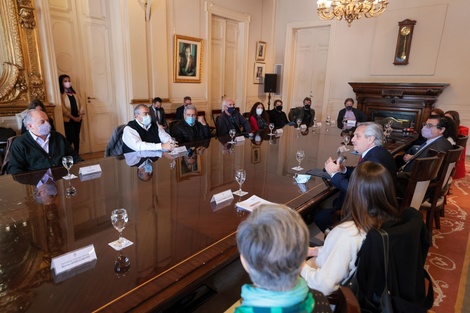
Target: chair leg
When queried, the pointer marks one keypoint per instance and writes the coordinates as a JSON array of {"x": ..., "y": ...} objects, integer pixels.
[{"x": 437, "y": 219}]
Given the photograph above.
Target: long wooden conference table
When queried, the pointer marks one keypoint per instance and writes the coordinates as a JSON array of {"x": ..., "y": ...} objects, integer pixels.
[{"x": 179, "y": 237}]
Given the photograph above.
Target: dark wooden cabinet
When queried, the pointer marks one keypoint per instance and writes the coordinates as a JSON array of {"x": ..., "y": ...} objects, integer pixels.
[{"x": 410, "y": 102}]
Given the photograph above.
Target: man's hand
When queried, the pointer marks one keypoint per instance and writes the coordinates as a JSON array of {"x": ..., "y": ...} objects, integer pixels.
[
  {"x": 331, "y": 167},
  {"x": 407, "y": 157},
  {"x": 201, "y": 120},
  {"x": 312, "y": 252},
  {"x": 169, "y": 145}
]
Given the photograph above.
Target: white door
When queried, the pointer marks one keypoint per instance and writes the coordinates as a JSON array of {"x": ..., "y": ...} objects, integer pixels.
[
  {"x": 309, "y": 68},
  {"x": 81, "y": 36},
  {"x": 224, "y": 61}
]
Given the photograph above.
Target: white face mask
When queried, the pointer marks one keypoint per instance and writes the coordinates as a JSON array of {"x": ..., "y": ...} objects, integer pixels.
[
  {"x": 44, "y": 129},
  {"x": 67, "y": 85},
  {"x": 259, "y": 111},
  {"x": 146, "y": 120}
]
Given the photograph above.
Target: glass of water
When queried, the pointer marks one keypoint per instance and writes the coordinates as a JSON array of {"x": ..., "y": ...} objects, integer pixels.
[
  {"x": 240, "y": 176},
  {"x": 299, "y": 155},
  {"x": 119, "y": 220},
  {"x": 67, "y": 162}
]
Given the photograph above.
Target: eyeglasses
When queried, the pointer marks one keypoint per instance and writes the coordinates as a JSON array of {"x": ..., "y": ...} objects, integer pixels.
[{"x": 429, "y": 125}]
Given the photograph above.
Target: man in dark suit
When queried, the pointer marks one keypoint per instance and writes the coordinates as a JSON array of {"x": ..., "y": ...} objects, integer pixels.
[
  {"x": 352, "y": 114},
  {"x": 231, "y": 119},
  {"x": 367, "y": 141},
  {"x": 157, "y": 113},
  {"x": 39, "y": 148},
  {"x": 304, "y": 113},
  {"x": 180, "y": 110},
  {"x": 190, "y": 129},
  {"x": 277, "y": 116}
]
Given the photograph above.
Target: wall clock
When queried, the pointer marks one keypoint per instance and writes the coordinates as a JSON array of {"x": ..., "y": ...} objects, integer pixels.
[{"x": 405, "y": 34}]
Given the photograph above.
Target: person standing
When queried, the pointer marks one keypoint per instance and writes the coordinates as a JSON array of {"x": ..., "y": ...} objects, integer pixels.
[
  {"x": 157, "y": 113},
  {"x": 72, "y": 111},
  {"x": 277, "y": 116},
  {"x": 180, "y": 110}
]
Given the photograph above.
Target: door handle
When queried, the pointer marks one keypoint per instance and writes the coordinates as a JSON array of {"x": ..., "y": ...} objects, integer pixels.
[{"x": 90, "y": 98}]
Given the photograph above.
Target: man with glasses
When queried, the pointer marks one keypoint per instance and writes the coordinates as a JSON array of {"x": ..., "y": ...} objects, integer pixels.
[{"x": 231, "y": 119}]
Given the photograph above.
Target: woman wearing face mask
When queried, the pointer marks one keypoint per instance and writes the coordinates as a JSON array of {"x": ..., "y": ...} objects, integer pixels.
[
  {"x": 72, "y": 111},
  {"x": 259, "y": 118}
]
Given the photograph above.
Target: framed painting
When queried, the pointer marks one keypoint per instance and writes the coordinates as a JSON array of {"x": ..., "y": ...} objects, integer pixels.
[
  {"x": 255, "y": 155},
  {"x": 258, "y": 73},
  {"x": 187, "y": 59},
  {"x": 188, "y": 166},
  {"x": 260, "y": 50}
]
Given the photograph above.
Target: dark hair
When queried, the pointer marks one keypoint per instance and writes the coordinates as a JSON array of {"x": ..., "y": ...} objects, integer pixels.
[
  {"x": 307, "y": 98},
  {"x": 276, "y": 101},
  {"x": 264, "y": 115},
  {"x": 349, "y": 100},
  {"x": 187, "y": 98},
  {"x": 37, "y": 103},
  {"x": 448, "y": 124},
  {"x": 437, "y": 111},
  {"x": 455, "y": 116},
  {"x": 61, "y": 83},
  {"x": 370, "y": 200},
  {"x": 157, "y": 99}
]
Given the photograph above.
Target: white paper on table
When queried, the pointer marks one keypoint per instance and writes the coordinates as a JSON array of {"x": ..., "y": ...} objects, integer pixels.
[
  {"x": 119, "y": 246},
  {"x": 279, "y": 131},
  {"x": 90, "y": 169},
  {"x": 251, "y": 203},
  {"x": 72, "y": 259},
  {"x": 240, "y": 138},
  {"x": 222, "y": 196},
  {"x": 351, "y": 123},
  {"x": 179, "y": 149}
]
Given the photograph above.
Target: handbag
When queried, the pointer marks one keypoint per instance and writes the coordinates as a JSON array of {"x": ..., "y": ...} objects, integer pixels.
[{"x": 381, "y": 303}]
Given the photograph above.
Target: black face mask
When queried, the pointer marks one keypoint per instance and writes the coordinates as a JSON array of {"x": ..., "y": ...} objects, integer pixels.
[
  {"x": 348, "y": 108},
  {"x": 307, "y": 107},
  {"x": 158, "y": 109},
  {"x": 279, "y": 108}
]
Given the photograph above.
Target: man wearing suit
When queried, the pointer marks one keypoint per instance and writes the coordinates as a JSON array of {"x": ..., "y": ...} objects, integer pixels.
[
  {"x": 277, "y": 116},
  {"x": 180, "y": 110},
  {"x": 39, "y": 148},
  {"x": 305, "y": 113},
  {"x": 231, "y": 119},
  {"x": 352, "y": 114},
  {"x": 436, "y": 130},
  {"x": 367, "y": 141},
  {"x": 157, "y": 113}
]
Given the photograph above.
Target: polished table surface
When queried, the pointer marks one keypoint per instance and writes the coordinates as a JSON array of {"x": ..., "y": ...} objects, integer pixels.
[{"x": 179, "y": 236}]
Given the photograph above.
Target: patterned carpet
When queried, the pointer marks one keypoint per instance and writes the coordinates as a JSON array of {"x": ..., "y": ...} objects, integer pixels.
[{"x": 448, "y": 258}]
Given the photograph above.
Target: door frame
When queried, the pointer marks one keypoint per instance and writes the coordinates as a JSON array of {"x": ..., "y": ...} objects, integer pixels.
[
  {"x": 289, "y": 59},
  {"x": 243, "y": 20}
]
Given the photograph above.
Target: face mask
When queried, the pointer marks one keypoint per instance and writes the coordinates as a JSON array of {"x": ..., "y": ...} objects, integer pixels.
[
  {"x": 426, "y": 132},
  {"x": 148, "y": 168},
  {"x": 44, "y": 129},
  {"x": 259, "y": 111},
  {"x": 231, "y": 110},
  {"x": 307, "y": 107},
  {"x": 279, "y": 108},
  {"x": 190, "y": 120},
  {"x": 257, "y": 138},
  {"x": 146, "y": 120},
  {"x": 67, "y": 85},
  {"x": 349, "y": 108}
]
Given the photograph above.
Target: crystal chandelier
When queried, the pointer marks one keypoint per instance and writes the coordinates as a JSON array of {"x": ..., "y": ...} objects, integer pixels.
[{"x": 350, "y": 9}]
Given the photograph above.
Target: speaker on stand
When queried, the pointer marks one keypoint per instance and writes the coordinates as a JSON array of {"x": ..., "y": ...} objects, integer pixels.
[{"x": 270, "y": 84}]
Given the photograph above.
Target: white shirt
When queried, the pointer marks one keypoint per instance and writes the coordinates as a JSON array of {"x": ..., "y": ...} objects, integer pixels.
[
  {"x": 132, "y": 138},
  {"x": 43, "y": 143},
  {"x": 335, "y": 260},
  {"x": 132, "y": 158}
]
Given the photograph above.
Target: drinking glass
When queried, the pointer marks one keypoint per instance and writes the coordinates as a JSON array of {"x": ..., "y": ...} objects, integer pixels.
[
  {"x": 345, "y": 122},
  {"x": 67, "y": 162},
  {"x": 298, "y": 121},
  {"x": 299, "y": 155},
  {"x": 328, "y": 120},
  {"x": 122, "y": 265},
  {"x": 70, "y": 191},
  {"x": 119, "y": 220},
  {"x": 271, "y": 127},
  {"x": 232, "y": 133},
  {"x": 346, "y": 140},
  {"x": 240, "y": 176}
]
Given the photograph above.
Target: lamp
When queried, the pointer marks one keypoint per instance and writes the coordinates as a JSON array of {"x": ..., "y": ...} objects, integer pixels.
[{"x": 350, "y": 9}]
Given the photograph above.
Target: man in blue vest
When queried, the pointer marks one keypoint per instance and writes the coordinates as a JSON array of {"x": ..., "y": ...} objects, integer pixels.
[{"x": 141, "y": 134}]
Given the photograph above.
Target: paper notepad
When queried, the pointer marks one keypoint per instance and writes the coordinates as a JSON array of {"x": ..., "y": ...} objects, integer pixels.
[{"x": 251, "y": 203}]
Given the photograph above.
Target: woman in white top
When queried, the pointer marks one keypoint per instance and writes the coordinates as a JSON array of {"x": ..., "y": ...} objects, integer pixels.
[
  {"x": 72, "y": 111},
  {"x": 370, "y": 202}
]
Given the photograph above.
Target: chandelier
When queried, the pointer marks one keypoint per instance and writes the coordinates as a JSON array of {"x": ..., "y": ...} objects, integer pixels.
[{"x": 350, "y": 9}]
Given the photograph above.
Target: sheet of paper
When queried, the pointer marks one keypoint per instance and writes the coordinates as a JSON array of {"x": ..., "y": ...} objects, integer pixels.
[{"x": 251, "y": 203}]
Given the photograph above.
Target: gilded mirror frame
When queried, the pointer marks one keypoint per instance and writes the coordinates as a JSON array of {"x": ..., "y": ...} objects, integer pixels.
[{"x": 21, "y": 77}]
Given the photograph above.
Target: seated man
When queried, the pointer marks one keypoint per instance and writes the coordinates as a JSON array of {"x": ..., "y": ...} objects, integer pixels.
[
  {"x": 157, "y": 113},
  {"x": 180, "y": 110},
  {"x": 306, "y": 114},
  {"x": 273, "y": 244},
  {"x": 367, "y": 141},
  {"x": 231, "y": 119},
  {"x": 350, "y": 114},
  {"x": 277, "y": 116},
  {"x": 39, "y": 148},
  {"x": 190, "y": 130},
  {"x": 141, "y": 134}
]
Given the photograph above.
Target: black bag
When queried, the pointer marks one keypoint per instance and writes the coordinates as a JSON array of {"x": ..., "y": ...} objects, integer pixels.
[{"x": 380, "y": 303}]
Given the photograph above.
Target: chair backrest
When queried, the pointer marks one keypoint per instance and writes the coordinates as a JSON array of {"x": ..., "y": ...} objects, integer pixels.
[
  {"x": 462, "y": 141},
  {"x": 424, "y": 170},
  {"x": 114, "y": 146},
  {"x": 346, "y": 301},
  {"x": 447, "y": 167},
  {"x": 6, "y": 159}
]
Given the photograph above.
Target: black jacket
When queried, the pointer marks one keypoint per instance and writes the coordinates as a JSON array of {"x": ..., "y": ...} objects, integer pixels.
[
  {"x": 184, "y": 133},
  {"x": 278, "y": 118},
  {"x": 360, "y": 117}
]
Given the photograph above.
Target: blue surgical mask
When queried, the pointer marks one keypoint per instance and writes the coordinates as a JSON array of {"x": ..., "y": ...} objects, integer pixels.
[
  {"x": 190, "y": 120},
  {"x": 148, "y": 168},
  {"x": 44, "y": 129},
  {"x": 146, "y": 120},
  {"x": 231, "y": 110}
]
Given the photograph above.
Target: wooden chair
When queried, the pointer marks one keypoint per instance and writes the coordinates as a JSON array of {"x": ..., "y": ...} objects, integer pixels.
[
  {"x": 6, "y": 158},
  {"x": 344, "y": 300},
  {"x": 439, "y": 188},
  {"x": 424, "y": 170}
]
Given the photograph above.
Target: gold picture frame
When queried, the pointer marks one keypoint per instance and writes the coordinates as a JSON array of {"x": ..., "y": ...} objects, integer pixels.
[
  {"x": 188, "y": 166},
  {"x": 258, "y": 73},
  {"x": 187, "y": 59},
  {"x": 260, "y": 50}
]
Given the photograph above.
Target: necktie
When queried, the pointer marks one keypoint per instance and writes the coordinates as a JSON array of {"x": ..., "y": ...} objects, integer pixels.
[{"x": 360, "y": 159}]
